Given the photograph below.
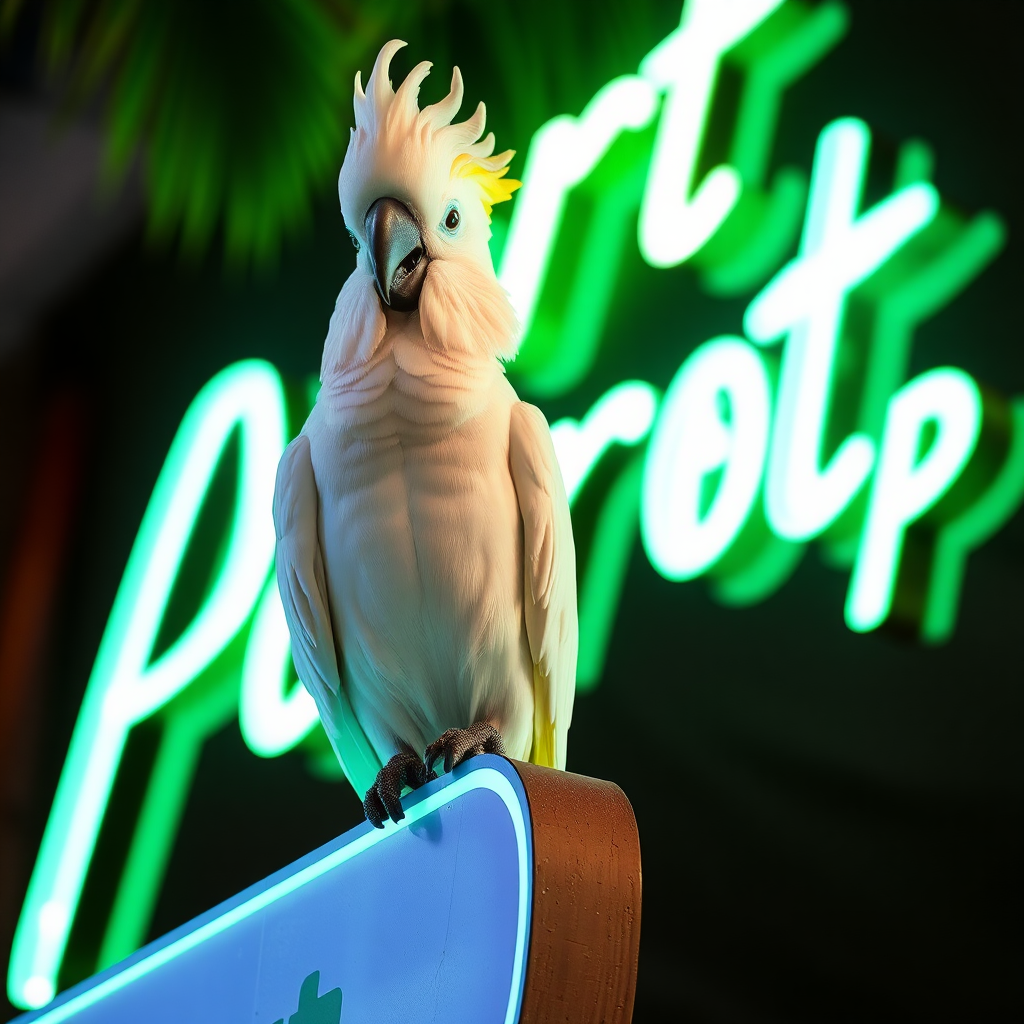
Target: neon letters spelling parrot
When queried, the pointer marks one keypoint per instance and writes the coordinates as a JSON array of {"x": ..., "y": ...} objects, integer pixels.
[{"x": 424, "y": 548}]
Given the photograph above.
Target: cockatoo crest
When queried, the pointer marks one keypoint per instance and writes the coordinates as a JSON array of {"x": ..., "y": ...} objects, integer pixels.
[
  {"x": 432, "y": 165},
  {"x": 419, "y": 152}
]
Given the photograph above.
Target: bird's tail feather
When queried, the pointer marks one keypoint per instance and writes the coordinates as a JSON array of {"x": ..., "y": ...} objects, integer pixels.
[{"x": 543, "y": 726}]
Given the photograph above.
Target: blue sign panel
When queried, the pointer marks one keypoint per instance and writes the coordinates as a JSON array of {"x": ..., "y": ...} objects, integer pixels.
[{"x": 425, "y": 920}]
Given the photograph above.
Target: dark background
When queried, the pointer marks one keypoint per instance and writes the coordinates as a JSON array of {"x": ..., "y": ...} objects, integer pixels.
[{"x": 830, "y": 823}]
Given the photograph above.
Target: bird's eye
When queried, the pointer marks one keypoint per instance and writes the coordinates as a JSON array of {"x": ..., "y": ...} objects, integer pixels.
[
  {"x": 452, "y": 219},
  {"x": 355, "y": 241}
]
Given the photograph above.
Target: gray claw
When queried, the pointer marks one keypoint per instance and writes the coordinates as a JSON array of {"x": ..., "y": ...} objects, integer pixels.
[
  {"x": 384, "y": 798},
  {"x": 458, "y": 745}
]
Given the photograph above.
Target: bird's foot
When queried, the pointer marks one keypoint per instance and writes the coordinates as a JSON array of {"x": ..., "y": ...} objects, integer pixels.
[
  {"x": 384, "y": 797},
  {"x": 456, "y": 745}
]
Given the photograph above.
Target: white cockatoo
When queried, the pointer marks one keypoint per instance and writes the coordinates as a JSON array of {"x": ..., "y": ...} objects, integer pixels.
[{"x": 424, "y": 548}]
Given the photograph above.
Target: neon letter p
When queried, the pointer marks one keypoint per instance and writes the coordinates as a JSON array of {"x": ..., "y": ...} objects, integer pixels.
[{"x": 907, "y": 483}]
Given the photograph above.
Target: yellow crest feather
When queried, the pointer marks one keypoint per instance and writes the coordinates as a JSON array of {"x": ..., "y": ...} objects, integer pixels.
[{"x": 485, "y": 172}]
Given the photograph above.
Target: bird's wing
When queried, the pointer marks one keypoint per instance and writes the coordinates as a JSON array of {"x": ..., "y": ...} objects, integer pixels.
[
  {"x": 549, "y": 565},
  {"x": 303, "y": 587}
]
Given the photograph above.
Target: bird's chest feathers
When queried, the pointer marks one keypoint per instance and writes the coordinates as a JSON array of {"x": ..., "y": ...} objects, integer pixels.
[
  {"x": 424, "y": 451},
  {"x": 416, "y": 460},
  {"x": 426, "y": 529},
  {"x": 429, "y": 473},
  {"x": 413, "y": 393}
]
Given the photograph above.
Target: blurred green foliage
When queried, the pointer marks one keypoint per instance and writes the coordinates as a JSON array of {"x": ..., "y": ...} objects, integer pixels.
[
  {"x": 234, "y": 104},
  {"x": 241, "y": 108}
]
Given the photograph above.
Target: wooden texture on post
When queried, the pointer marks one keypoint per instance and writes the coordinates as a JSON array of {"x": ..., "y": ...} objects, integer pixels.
[{"x": 585, "y": 926}]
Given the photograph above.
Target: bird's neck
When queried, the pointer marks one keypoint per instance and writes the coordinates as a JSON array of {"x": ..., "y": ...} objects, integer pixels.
[{"x": 411, "y": 382}]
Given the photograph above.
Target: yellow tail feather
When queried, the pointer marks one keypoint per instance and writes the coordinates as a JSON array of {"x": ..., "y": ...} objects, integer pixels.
[{"x": 543, "y": 727}]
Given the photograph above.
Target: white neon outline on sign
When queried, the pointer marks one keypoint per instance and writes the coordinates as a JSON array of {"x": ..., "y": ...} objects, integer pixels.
[{"x": 480, "y": 778}]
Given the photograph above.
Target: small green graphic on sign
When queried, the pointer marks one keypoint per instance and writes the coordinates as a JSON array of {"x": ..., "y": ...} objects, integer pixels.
[{"x": 314, "y": 1009}]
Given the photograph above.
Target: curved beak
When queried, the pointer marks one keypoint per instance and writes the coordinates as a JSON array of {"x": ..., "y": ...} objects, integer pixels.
[{"x": 397, "y": 252}]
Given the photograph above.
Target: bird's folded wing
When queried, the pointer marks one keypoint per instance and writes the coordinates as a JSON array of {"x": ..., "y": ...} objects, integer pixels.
[
  {"x": 303, "y": 587},
  {"x": 549, "y": 561}
]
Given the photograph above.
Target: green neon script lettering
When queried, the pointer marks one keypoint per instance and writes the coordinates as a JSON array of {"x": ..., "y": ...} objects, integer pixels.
[
  {"x": 805, "y": 301},
  {"x": 773, "y": 43},
  {"x": 272, "y": 721},
  {"x": 125, "y": 687},
  {"x": 674, "y": 226},
  {"x": 207, "y": 704},
  {"x": 562, "y": 153},
  {"x": 622, "y": 415},
  {"x": 756, "y": 236},
  {"x": 714, "y": 420},
  {"x": 906, "y": 486}
]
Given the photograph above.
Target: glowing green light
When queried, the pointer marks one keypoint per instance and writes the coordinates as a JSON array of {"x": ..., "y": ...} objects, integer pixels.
[
  {"x": 601, "y": 583},
  {"x": 481, "y": 778},
  {"x": 757, "y": 235},
  {"x": 200, "y": 710},
  {"x": 805, "y": 301},
  {"x": 773, "y": 43},
  {"x": 38, "y": 991},
  {"x": 969, "y": 531},
  {"x": 562, "y": 153},
  {"x": 961, "y": 251},
  {"x": 623, "y": 414},
  {"x": 696, "y": 437},
  {"x": 566, "y": 331},
  {"x": 675, "y": 222},
  {"x": 272, "y": 722},
  {"x": 906, "y": 486},
  {"x": 125, "y": 687},
  {"x": 760, "y": 576}
]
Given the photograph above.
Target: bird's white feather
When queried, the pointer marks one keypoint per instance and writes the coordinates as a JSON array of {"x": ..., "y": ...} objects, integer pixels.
[
  {"x": 303, "y": 588},
  {"x": 549, "y": 567}
]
